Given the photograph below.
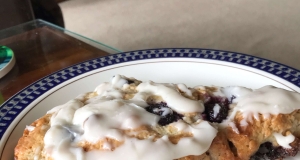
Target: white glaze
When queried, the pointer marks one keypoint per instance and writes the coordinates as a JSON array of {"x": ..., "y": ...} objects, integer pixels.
[
  {"x": 81, "y": 97},
  {"x": 170, "y": 95},
  {"x": 284, "y": 141},
  {"x": 216, "y": 110},
  {"x": 96, "y": 127},
  {"x": 118, "y": 81},
  {"x": 65, "y": 114},
  {"x": 266, "y": 100},
  {"x": 234, "y": 128},
  {"x": 165, "y": 111},
  {"x": 107, "y": 146},
  {"x": 101, "y": 120},
  {"x": 30, "y": 128},
  {"x": 37, "y": 153},
  {"x": 162, "y": 149},
  {"x": 180, "y": 125},
  {"x": 105, "y": 115},
  {"x": 235, "y": 91},
  {"x": 184, "y": 89}
]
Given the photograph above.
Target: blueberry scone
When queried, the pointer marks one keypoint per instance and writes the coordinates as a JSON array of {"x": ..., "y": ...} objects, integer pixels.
[{"x": 127, "y": 119}]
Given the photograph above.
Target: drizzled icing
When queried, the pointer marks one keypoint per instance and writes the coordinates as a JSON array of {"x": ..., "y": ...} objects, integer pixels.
[
  {"x": 284, "y": 141},
  {"x": 171, "y": 96},
  {"x": 234, "y": 91},
  {"x": 184, "y": 89},
  {"x": 107, "y": 115},
  {"x": 100, "y": 120},
  {"x": 216, "y": 110},
  {"x": 30, "y": 128},
  {"x": 266, "y": 101},
  {"x": 162, "y": 149},
  {"x": 165, "y": 111}
]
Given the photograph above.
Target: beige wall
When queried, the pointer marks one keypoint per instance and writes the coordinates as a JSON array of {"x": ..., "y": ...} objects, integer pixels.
[{"x": 266, "y": 28}]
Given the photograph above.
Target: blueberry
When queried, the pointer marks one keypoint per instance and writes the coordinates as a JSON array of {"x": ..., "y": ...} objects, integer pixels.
[
  {"x": 268, "y": 151},
  {"x": 209, "y": 109},
  {"x": 130, "y": 81},
  {"x": 167, "y": 115}
]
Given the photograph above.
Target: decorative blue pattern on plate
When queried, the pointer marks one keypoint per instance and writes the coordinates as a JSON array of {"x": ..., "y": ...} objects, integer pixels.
[{"x": 11, "y": 108}]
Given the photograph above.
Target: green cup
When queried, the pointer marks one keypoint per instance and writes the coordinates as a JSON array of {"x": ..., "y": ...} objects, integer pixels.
[{"x": 6, "y": 55}]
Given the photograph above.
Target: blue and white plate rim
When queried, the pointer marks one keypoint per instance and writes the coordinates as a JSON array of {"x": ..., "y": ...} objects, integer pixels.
[{"x": 10, "y": 109}]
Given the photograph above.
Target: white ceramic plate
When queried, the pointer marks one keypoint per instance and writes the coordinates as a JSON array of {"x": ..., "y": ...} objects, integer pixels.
[{"x": 189, "y": 66}]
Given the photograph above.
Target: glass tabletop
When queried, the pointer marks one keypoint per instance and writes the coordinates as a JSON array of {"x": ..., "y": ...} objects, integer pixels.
[{"x": 41, "y": 48}]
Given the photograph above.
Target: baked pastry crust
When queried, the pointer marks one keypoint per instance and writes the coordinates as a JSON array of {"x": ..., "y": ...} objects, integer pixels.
[{"x": 227, "y": 144}]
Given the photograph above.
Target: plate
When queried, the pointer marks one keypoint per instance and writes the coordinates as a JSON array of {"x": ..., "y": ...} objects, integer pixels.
[{"x": 190, "y": 66}]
